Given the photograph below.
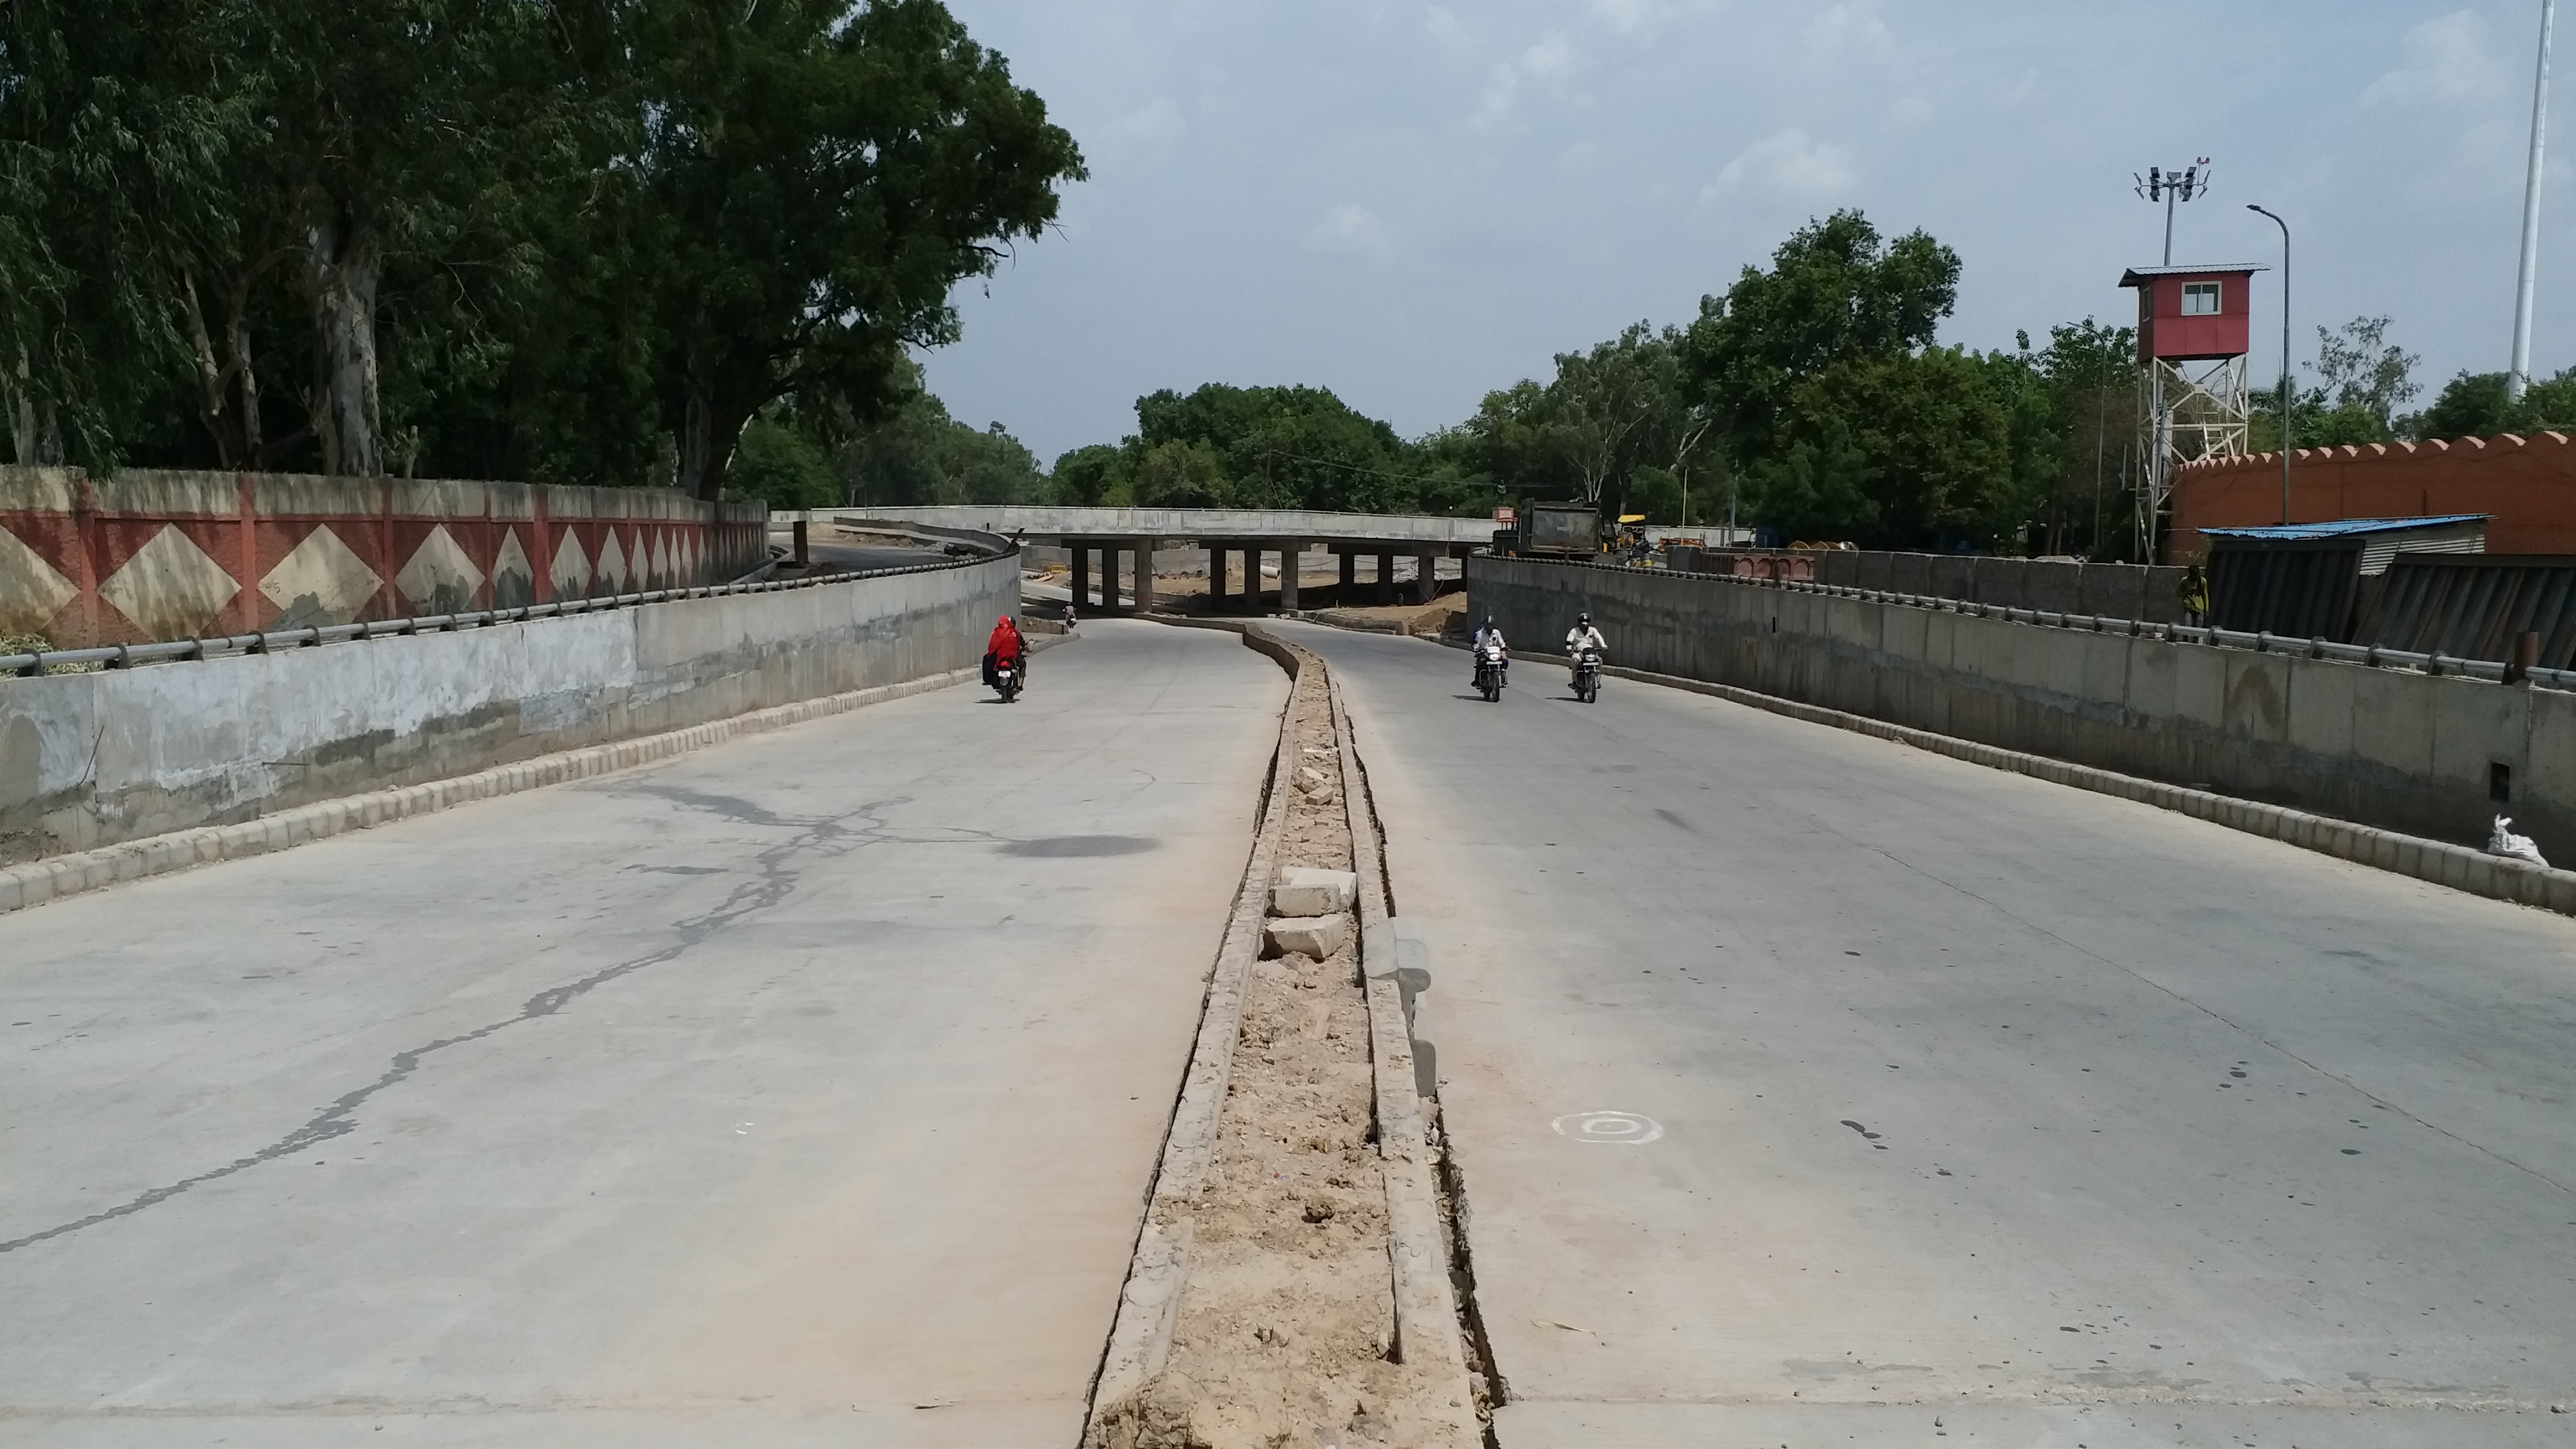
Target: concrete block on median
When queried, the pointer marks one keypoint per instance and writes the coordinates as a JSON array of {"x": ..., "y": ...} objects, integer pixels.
[
  {"x": 1316, "y": 936},
  {"x": 1304, "y": 890}
]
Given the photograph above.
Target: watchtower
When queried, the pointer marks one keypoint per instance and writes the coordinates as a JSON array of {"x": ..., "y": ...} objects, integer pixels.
[{"x": 2194, "y": 326}]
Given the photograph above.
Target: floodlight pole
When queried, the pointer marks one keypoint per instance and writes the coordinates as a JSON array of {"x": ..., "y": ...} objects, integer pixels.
[
  {"x": 2519, "y": 378},
  {"x": 2285, "y": 360}
]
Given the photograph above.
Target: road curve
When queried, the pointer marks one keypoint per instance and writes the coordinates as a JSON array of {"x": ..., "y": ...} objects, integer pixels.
[
  {"x": 1950, "y": 1106},
  {"x": 800, "y": 1091}
]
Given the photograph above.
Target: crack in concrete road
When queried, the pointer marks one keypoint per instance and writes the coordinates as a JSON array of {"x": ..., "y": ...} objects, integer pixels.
[{"x": 775, "y": 884}]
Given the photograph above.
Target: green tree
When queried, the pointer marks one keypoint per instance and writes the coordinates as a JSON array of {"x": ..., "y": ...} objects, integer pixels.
[
  {"x": 1089, "y": 475},
  {"x": 1842, "y": 416},
  {"x": 779, "y": 464},
  {"x": 812, "y": 183},
  {"x": 1836, "y": 293}
]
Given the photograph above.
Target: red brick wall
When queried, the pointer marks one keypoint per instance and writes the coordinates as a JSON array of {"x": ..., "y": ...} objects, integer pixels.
[{"x": 2527, "y": 484}]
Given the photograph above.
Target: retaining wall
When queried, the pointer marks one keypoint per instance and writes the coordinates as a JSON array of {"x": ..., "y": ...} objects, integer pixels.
[
  {"x": 2382, "y": 747},
  {"x": 147, "y": 556},
  {"x": 2114, "y": 590},
  {"x": 95, "y": 759}
]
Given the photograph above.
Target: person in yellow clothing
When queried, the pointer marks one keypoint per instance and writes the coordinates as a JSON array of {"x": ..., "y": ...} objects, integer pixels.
[{"x": 2195, "y": 597}]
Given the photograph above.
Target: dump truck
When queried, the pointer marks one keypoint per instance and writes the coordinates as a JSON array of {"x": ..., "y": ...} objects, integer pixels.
[{"x": 1571, "y": 530}]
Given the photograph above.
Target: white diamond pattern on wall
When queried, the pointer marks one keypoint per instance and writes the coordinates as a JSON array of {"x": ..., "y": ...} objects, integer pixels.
[
  {"x": 571, "y": 568},
  {"x": 321, "y": 581},
  {"x": 32, "y": 591},
  {"x": 661, "y": 561},
  {"x": 514, "y": 583},
  {"x": 170, "y": 589},
  {"x": 439, "y": 578},
  {"x": 612, "y": 564}
]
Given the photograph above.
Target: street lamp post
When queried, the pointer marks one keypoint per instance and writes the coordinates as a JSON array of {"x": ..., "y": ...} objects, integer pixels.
[{"x": 2285, "y": 359}]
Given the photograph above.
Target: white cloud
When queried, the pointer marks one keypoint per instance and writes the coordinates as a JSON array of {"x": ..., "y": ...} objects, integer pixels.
[
  {"x": 1847, "y": 29},
  {"x": 1789, "y": 162},
  {"x": 1551, "y": 59},
  {"x": 1141, "y": 140},
  {"x": 1627, "y": 16},
  {"x": 2448, "y": 58},
  {"x": 1442, "y": 23},
  {"x": 1349, "y": 227}
]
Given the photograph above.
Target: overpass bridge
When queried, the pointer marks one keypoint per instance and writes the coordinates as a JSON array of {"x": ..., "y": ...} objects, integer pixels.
[{"x": 1124, "y": 541}]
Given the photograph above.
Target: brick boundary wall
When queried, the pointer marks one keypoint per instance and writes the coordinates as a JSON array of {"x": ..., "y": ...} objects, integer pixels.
[
  {"x": 147, "y": 556},
  {"x": 2528, "y": 485}
]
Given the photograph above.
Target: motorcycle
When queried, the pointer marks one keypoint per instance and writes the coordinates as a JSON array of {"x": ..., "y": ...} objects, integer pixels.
[
  {"x": 1587, "y": 676},
  {"x": 1008, "y": 677},
  {"x": 1491, "y": 667}
]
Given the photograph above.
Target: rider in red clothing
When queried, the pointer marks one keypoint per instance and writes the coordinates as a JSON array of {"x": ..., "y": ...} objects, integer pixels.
[{"x": 1004, "y": 647}]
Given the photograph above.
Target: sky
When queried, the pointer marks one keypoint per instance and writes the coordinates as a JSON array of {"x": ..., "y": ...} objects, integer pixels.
[{"x": 1416, "y": 204}]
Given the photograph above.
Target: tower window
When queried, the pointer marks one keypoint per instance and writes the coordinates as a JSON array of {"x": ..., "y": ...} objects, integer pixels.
[{"x": 2200, "y": 299}]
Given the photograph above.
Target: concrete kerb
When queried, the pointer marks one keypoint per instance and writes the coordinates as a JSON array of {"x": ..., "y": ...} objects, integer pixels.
[
  {"x": 71, "y": 874},
  {"x": 2438, "y": 862},
  {"x": 1428, "y": 1325},
  {"x": 1140, "y": 1340}
]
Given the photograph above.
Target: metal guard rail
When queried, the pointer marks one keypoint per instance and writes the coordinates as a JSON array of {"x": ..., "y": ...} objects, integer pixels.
[
  {"x": 125, "y": 656},
  {"x": 2261, "y": 643}
]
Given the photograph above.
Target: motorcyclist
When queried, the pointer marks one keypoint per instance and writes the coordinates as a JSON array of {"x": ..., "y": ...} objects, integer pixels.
[
  {"x": 1005, "y": 647},
  {"x": 1579, "y": 638},
  {"x": 1488, "y": 632}
]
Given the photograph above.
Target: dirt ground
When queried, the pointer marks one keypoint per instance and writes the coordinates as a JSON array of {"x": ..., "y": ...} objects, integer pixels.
[{"x": 1287, "y": 1313}]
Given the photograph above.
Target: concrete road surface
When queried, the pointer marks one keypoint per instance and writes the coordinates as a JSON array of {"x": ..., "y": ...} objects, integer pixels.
[
  {"x": 1810, "y": 1089},
  {"x": 802, "y": 1091}
]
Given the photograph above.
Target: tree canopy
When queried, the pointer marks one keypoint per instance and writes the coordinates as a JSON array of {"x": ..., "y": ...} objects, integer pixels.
[{"x": 533, "y": 238}]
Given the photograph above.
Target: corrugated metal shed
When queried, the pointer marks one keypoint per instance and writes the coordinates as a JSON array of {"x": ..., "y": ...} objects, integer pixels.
[
  {"x": 2472, "y": 606},
  {"x": 2305, "y": 579},
  {"x": 2381, "y": 539}
]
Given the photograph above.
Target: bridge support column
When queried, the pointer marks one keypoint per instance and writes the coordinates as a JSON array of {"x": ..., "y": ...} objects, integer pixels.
[
  {"x": 1216, "y": 580},
  {"x": 1426, "y": 578},
  {"x": 1349, "y": 592},
  {"x": 1289, "y": 553},
  {"x": 1145, "y": 575},
  {"x": 1081, "y": 573},
  {"x": 1385, "y": 579}
]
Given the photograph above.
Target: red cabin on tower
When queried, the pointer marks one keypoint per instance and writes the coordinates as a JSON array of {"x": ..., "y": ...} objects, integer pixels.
[
  {"x": 2194, "y": 326},
  {"x": 2193, "y": 314}
]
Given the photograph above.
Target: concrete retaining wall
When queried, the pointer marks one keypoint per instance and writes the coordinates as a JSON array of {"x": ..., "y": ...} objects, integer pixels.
[
  {"x": 1054, "y": 521},
  {"x": 2114, "y": 590},
  {"x": 2393, "y": 749},
  {"x": 88, "y": 760}
]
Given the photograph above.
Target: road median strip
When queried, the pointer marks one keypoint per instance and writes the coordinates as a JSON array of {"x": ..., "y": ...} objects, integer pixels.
[{"x": 1276, "y": 1293}]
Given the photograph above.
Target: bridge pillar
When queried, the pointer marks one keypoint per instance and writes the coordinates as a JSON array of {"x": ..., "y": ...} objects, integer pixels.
[
  {"x": 1145, "y": 575},
  {"x": 1081, "y": 573},
  {"x": 1290, "y": 551},
  {"x": 1426, "y": 578},
  {"x": 1350, "y": 590},
  {"x": 1385, "y": 579},
  {"x": 1216, "y": 579}
]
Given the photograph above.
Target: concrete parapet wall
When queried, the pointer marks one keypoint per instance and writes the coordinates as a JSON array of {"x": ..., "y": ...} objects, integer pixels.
[
  {"x": 89, "y": 760},
  {"x": 1053, "y": 521},
  {"x": 148, "y": 556},
  {"x": 2113, "y": 590},
  {"x": 2399, "y": 750}
]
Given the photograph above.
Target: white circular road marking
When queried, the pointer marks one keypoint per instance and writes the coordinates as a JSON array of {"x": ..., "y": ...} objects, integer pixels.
[{"x": 1625, "y": 1128}]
